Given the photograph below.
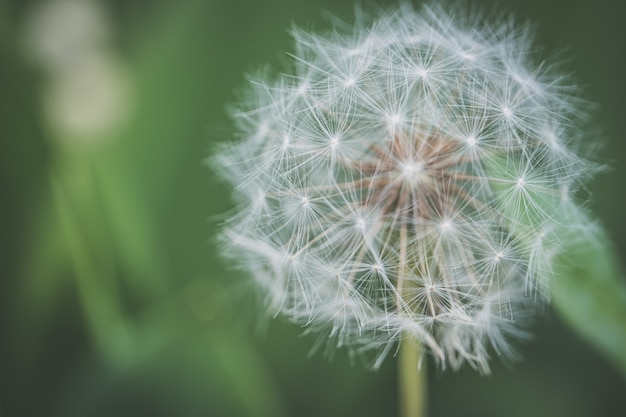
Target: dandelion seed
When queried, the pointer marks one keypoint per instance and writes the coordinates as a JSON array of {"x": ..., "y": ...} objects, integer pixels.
[{"x": 400, "y": 195}]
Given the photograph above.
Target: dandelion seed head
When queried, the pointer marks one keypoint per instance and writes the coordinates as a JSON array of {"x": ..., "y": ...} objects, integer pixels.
[{"x": 403, "y": 179}]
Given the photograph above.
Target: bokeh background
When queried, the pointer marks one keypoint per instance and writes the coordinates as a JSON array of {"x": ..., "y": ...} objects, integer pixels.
[{"x": 113, "y": 298}]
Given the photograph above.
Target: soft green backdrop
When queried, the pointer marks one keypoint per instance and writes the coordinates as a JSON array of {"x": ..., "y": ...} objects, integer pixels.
[{"x": 114, "y": 300}]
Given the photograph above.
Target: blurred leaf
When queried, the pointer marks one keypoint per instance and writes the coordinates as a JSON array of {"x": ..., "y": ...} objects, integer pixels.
[
  {"x": 587, "y": 288},
  {"x": 590, "y": 294}
]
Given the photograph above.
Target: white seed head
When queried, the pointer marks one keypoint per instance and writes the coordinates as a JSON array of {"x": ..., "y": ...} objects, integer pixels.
[{"x": 406, "y": 180}]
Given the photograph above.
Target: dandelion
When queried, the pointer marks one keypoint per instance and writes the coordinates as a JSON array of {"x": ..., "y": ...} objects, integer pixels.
[{"x": 407, "y": 179}]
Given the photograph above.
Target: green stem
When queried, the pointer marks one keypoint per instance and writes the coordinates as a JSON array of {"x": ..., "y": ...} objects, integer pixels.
[{"x": 412, "y": 380}]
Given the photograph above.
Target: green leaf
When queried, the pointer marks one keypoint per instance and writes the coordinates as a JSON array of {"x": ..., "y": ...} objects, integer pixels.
[
  {"x": 589, "y": 292},
  {"x": 587, "y": 289}
]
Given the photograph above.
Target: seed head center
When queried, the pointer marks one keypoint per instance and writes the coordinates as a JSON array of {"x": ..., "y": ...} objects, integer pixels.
[
  {"x": 411, "y": 169},
  {"x": 413, "y": 173},
  {"x": 415, "y": 176}
]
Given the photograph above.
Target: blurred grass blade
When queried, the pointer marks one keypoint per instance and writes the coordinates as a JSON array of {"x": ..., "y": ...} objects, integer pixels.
[{"x": 251, "y": 378}]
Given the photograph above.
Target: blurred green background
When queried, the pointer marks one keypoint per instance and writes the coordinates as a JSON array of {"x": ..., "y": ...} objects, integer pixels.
[{"x": 114, "y": 300}]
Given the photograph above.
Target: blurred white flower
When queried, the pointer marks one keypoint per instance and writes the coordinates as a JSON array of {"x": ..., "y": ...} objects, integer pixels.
[
  {"x": 408, "y": 178},
  {"x": 90, "y": 100},
  {"x": 58, "y": 33},
  {"x": 88, "y": 90}
]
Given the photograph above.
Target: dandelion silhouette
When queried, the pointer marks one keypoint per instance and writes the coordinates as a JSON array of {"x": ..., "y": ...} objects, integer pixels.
[{"x": 403, "y": 181}]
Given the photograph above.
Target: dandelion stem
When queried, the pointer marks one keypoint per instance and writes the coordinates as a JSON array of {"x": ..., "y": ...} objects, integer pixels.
[
  {"x": 412, "y": 380},
  {"x": 412, "y": 376}
]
